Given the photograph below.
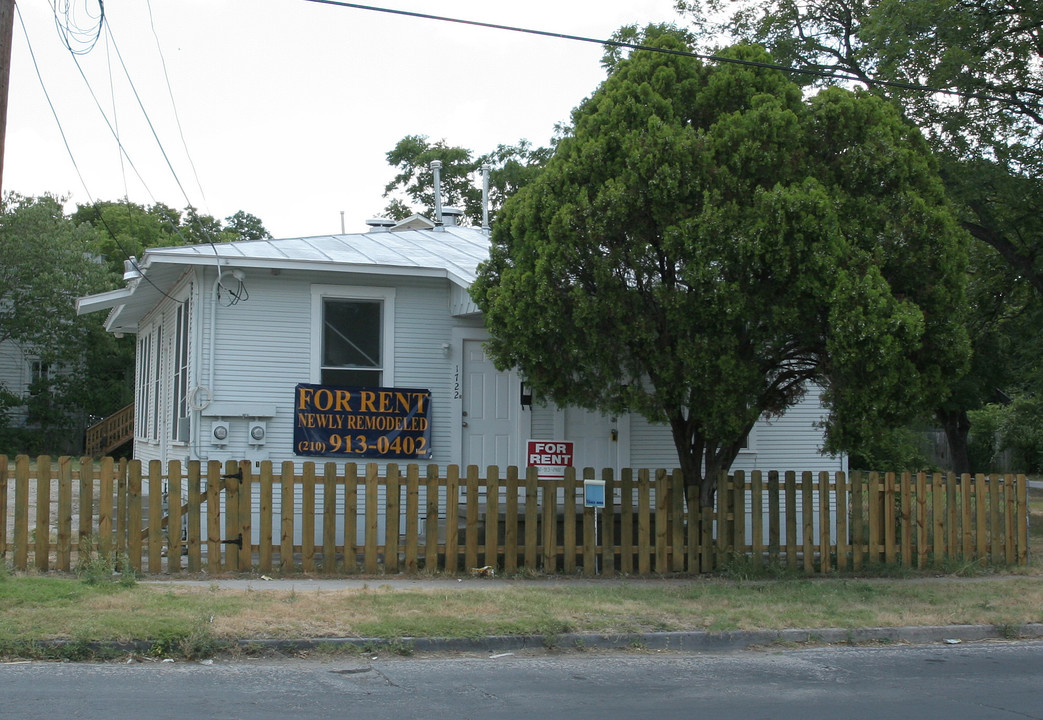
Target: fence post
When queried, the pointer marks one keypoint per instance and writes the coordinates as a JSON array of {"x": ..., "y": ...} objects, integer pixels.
[
  {"x": 1023, "y": 517},
  {"x": 876, "y": 517},
  {"x": 287, "y": 501},
  {"x": 245, "y": 519},
  {"x": 608, "y": 524},
  {"x": 134, "y": 517},
  {"x": 922, "y": 546},
  {"x": 392, "y": 516},
  {"x": 510, "y": 523},
  {"x": 644, "y": 515},
  {"x": 807, "y": 498},
  {"x": 195, "y": 520},
  {"x": 431, "y": 519},
  {"x": 214, "y": 488},
  {"x": 43, "y": 513},
  {"x": 906, "y": 531},
  {"x": 1008, "y": 520},
  {"x": 308, "y": 518},
  {"x": 21, "y": 513},
  {"x": 266, "y": 516},
  {"x": 64, "y": 554},
  {"x": 677, "y": 521},
  {"x": 550, "y": 525},
  {"x": 471, "y": 515},
  {"x": 757, "y": 517},
  {"x": 532, "y": 509},
  {"x": 824, "y": 531},
  {"x": 938, "y": 504},
  {"x": 589, "y": 533},
  {"x": 106, "y": 502},
  {"x": 569, "y": 521},
  {"x": 372, "y": 486},
  {"x": 966, "y": 506},
  {"x": 626, "y": 521},
  {"x": 122, "y": 499},
  {"x": 694, "y": 529},
  {"x": 85, "y": 536},
  {"x": 791, "y": 519},
  {"x": 155, "y": 516},
  {"x": 890, "y": 549},
  {"x": 492, "y": 516},
  {"x": 452, "y": 519},
  {"x": 411, "y": 550},
  {"x": 3, "y": 506},
  {"x": 843, "y": 545},
  {"x": 738, "y": 514},
  {"x": 774, "y": 516},
  {"x": 329, "y": 518},
  {"x": 174, "y": 516},
  {"x": 351, "y": 514},
  {"x": 266, "y": 511}
]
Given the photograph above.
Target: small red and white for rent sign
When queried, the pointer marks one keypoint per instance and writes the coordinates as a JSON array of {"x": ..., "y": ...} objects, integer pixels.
[{"x": 550, "y": 457}]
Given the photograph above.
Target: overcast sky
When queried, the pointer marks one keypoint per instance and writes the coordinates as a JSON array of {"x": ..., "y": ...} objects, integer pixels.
[{"x": 288, "y": 107}]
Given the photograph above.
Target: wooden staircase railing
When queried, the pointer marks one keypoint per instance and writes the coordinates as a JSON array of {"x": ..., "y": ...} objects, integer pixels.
[{"x": 110, "y": 433}]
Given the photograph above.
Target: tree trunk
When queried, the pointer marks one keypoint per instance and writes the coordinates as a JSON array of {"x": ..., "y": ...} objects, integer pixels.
[{"x": 957, "y": 427}]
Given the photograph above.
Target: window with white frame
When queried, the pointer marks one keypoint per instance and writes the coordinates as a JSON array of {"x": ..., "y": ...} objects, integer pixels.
[
  {"x": 157, "y": 379},
  {"x": 180, "y": 376},
  {"x": 353, "y": 335},
  {"x": 40, "y": 371},
  {"x": 144, "y": 385}
]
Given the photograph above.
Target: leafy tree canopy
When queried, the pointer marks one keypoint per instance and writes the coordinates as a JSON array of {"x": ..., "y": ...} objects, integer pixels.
[
  {"x": 990, "y": 50},
  {"x": 128, "y": 229},
  {"x": 706, "y": 242},
  {"x": 46, "y": 261}
]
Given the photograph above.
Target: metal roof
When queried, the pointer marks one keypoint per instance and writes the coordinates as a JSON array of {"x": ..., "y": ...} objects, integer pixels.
[{"x": 452, "y": 252}]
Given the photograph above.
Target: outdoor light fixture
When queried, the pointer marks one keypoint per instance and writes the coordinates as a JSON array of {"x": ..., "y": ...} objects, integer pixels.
[{"x": 526, "y": 394}]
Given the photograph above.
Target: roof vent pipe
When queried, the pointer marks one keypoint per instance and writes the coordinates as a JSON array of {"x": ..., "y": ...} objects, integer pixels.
[
  {"x": 380, "y": 224},
  {"x": 485, "y": 198},
  {"x": 452, "y": 216},
  {"x": 436, "y": 168}
]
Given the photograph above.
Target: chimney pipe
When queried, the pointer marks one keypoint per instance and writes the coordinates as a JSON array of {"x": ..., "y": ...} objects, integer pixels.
[
  {"x": 485, "y": 198},
  {"x": 436, "y": 168}
]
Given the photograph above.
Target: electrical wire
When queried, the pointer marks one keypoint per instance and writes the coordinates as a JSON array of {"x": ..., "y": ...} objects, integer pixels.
[
  {"x": 173, "y": 105},
  {"x": 79, "y": 40},
  {"x": 668, "y": 51},
  {"x": 72, "y": 157}
]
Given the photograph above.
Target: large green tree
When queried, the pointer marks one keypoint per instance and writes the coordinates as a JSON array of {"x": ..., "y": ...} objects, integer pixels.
[
  {"x": 46, "y": 261},
  {"x": 988, "y": 134},
  {"x": 705, "y": 243},
  {"x": 989, "y": 51}
]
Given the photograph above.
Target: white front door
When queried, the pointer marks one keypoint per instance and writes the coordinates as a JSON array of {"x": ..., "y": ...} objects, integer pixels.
[
  {"x": 490, "y": 408},
  {"x": 596, "y": 439}
]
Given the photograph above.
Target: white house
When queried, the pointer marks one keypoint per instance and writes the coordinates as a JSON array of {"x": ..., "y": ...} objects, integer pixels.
[
  {"x": 19, "y": 369},
  {"x": 227, "y": 334}
]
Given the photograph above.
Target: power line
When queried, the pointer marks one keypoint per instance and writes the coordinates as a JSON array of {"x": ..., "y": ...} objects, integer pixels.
[
  {"x": 72, "y": 157},
  {"x": 668, "y": 51}
]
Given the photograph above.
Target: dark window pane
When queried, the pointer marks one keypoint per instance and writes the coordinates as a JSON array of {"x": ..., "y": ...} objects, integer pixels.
[
  {"x": 351, "y": 333},
  {"x": 351, "y": 378}
]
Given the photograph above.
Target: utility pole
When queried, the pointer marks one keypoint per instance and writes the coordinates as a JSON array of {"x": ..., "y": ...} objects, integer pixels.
[{"x": 6, "y": 30}]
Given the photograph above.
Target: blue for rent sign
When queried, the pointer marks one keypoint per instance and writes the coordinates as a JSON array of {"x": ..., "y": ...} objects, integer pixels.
[{"x": 357, "y": 422}]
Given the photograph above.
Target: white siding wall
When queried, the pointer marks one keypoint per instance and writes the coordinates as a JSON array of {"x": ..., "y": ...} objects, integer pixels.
[
  {"x": 14, "y": 374},
  {"x": 265, "y": 348},
  {"x": 792, "y": 442}
]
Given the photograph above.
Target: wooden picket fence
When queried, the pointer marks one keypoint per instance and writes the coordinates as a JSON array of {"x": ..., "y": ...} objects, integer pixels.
[{"x": 345, "y": 518}]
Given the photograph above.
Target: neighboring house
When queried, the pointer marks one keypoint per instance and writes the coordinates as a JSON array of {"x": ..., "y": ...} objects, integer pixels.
[
  {"x": 227, "y": 333},
  {"x": 19, "y": 369}
]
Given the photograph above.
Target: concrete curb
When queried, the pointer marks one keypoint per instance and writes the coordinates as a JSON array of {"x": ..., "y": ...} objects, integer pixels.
[
  {"x": 671, "y": 641},
  {"x": 680, "y": 642}
]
